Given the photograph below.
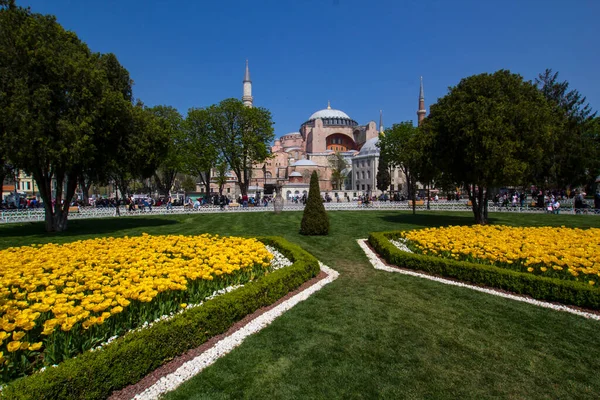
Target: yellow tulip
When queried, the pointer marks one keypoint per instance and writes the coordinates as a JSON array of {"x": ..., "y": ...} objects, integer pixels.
[
  {"x": 35, "y": 346},
  {"x": 13, "y": 346}
]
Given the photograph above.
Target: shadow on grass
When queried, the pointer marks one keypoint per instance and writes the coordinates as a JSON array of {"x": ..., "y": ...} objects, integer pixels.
[
  {"x": 85, "y": 226},
  {"x": 430, "y": 219}
]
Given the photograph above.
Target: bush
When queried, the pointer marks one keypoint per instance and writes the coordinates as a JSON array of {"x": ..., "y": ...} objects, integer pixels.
[
  {"x": 314, "y": 220},
  {"x": 95, "y": 375},
  {"x": 538, "y": 287}
]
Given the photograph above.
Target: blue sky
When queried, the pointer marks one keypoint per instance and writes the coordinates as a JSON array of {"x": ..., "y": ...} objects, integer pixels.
[{"x": 362, "y": 55}]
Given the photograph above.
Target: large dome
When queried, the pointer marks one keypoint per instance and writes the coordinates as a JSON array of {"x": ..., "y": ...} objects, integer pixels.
[
  {"x": 328, "y": 113},
  {"x": 370, "y": 148}
]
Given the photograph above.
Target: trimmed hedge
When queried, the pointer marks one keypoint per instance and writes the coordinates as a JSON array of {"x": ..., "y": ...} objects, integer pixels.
[
  {"x": 95, "y": 375},
  {"x": 538, "y": 287}
]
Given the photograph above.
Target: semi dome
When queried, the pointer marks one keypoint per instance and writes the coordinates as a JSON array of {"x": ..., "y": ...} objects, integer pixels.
[
  {"x": 304, "y": 163},
  {"x": 370, "y": 148},
  {"x": 295, "y": 174}
]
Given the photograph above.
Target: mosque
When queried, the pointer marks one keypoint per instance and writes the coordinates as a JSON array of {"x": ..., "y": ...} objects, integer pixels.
[{"x": 326, "y": 135}]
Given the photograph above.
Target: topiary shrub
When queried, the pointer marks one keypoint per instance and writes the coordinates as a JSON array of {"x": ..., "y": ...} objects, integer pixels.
[{"x": 315, "y": 220}]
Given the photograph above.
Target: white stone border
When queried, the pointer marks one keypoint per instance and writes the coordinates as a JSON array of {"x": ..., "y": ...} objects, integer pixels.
[
  {"x": 378, "y": 264},
  {"x": 191, "y": 368}
]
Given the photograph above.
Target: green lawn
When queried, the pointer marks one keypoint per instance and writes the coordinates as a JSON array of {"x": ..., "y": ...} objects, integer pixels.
[{"x": 374, "y": 334}]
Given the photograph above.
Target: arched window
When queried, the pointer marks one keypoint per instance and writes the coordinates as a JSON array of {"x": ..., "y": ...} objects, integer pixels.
[
  {"x": 368, "y": 174},
  {"x": 363, "y": 174}
]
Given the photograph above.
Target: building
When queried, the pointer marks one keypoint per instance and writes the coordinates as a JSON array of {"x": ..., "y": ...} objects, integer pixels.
[{"x": 326, "y": 134}]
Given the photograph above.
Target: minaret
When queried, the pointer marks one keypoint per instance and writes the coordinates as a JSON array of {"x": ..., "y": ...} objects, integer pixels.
[
  {"x": 381, "y": 131},
  {"x": 421, "y": 112},
  {"x": 247, "y": 96}
]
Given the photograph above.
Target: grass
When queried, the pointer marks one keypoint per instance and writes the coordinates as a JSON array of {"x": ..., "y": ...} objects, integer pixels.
[{"x": 372, "y": 334}]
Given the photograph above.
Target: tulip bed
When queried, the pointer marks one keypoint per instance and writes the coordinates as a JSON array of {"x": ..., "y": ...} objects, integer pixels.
[
  {"x": 552, "y": 264},
  {"x": 557, "y": 252},
  {"x": 58, "y": 301}
]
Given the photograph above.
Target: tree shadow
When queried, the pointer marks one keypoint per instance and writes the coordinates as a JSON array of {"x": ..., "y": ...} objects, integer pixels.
[
  {"x": 84, "y": 226},
  {"x": 430, "y": 219}
]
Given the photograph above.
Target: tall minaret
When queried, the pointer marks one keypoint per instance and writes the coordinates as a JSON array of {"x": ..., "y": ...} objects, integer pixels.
[
  {"x": 247, "y": 96},
  {"x": 381, "y": 131},
  {"x": 421, "y": 112}
]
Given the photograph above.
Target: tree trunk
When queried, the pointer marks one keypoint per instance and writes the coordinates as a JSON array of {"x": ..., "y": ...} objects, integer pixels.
[
  {"x": 478, "y": 204},
  {"x": 414, "y": 196},
  {"x": 85, "y": 188}
]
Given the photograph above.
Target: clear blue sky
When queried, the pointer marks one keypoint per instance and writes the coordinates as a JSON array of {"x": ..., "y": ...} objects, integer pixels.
[{"x": 362, "y": 55}]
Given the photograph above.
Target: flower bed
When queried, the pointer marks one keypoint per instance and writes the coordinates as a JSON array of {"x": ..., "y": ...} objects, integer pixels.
[
  {"x": 95, "y": 375},
  {"x": 507, "y": 276},
  {"x": 563, "y": 253},
  {"x": 57, "y": 301}
]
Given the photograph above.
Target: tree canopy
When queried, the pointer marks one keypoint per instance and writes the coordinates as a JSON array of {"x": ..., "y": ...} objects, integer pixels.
[
  {"x": 235, "y": 134},
  {"x": 400, "y": 148},
  {"x": 67, "y": 113},
  {"x": 338, "y": 164},
  {"x": 491, "y": 130},
  {"x": 574, "y": 158}
]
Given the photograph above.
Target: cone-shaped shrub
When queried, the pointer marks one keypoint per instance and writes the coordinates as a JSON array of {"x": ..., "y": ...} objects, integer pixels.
[{"x": 315, "y": 220}]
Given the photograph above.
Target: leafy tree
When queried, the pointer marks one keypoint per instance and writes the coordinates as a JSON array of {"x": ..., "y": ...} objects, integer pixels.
[
  {"x": 188, "y": 184},
  {"x": 241, "y": 136},
  {"x": 384, "y": 179},
  {"x": 200, "y": 152},
  {"x": 54, "y": 92},
  {"x": 137, "y": 152},
  {"x": 171, "y": 127},
  {"x": 490, "y": 131},
  {"x": 117, "y": 119},
  {"x": 572, "y": 160},
  {"x": 314, "y": 220},
  {"x": 400, "y": 147},
  {"x": 221, "y": 177},
  {"x": 338, "y": 165}
]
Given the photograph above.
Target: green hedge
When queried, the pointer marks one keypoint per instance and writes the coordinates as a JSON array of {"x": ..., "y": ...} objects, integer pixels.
[
  {"x": 538, "y": 287},
  {"x": 95, "y": 375}
]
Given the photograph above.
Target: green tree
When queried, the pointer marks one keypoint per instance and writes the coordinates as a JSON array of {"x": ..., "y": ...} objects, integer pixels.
[
  {"x": 400, "y": 147},
  {"x": 188, "y": 184},
  {"x": 490, "y": 131},
  {"x": 314, "y": 220},
  {"x": 221, "y": 176},
  {"x": 137, "y": 153},
  {"x": 54, "y": 93},
  {"x": 383, "y": 168},
  {"x": 241, "y": 135},
  {"x": 200, "y": 153},
  {"x": 170, "y": 125},
  {"x": 116, "y": 119},
  {"x": 572, "y": 160},
  {"x": 338, "y": 166}
]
